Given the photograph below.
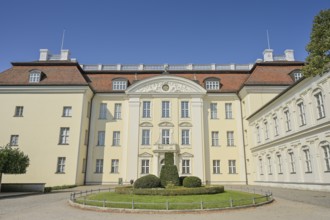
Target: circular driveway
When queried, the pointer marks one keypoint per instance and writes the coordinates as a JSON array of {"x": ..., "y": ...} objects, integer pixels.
[{"x": 55, "y": 205}]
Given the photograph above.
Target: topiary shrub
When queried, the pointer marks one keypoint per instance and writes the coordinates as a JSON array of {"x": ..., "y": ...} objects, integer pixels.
[
  {"x": 192, "y": 181},
  {"x": 149, "y": 181},
  {"x": 169, "y": 172}
]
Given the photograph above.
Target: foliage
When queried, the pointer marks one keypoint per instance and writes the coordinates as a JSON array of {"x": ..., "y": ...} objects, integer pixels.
[
  {"x": 318, "y": 60},
  {"x": 169, "y": 172},
  {"x": 12, "y": 161},
  {"x": 63, "y": 187},
  {"x": 47, "y": 189},
  {"x": 181, "y": 178},
  {"x": 149, "y": 181},
  {"x": 174, "y": 191},
  {"x": 192, "y": 181}
]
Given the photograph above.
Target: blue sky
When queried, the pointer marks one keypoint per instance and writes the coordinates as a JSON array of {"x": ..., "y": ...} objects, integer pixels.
[{"x": 155, "y": 31}]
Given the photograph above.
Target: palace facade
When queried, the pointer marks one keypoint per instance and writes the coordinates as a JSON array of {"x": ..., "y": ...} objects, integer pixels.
[{"x": 109, "y": 124}]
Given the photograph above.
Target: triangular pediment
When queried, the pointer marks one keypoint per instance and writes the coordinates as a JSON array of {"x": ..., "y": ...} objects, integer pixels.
[
  {"x": 186, "y": 154},
  {"x": 166, "y": 84},
  {"x": 145, "y": 154}
]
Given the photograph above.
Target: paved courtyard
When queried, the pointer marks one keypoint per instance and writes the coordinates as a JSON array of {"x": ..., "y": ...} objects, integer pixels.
[{"x": 289, "y": 204}]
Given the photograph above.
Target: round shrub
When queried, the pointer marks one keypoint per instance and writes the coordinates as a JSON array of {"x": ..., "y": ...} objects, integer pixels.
[
  {"x": 192, "y": 181},
  {"x": 149, "y": 181},
  {"x": 181, "y": 178}
]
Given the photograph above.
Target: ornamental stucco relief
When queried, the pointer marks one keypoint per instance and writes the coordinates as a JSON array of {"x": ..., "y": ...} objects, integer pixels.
[{"x": 173, "y": 87}]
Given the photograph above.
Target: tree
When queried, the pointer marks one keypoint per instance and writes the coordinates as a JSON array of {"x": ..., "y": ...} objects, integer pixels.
[
  {"x": 318, "y": 59},
  {"x": 169, "y": 172},
  {"x": 12, "y": 161}
]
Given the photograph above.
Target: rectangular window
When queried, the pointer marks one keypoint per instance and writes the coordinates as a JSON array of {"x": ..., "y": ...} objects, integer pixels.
[
  {"x": 166, "y": 136},
  {"x": 308, "y": 161},
  {"x": 232, "y": 166},
  {"x": 116, "y": 138},
  {"x": 279, "y": 161},
  {"x": 64, "y": 136},
  {"x": 269, "y": 159},
  {"x": 185, "y": 166},
  {"x": 261, "y": 167},
  {"x": 119, "y": 85},
  {"x": 326, "y": 149},
  {"x": 276, "y": 129},
  {"x": 84, "y": 166},
  {"x": 14, "y": 140},
  {"x": 212, "y": 85},
  {"x": 101, "y": 138},
  {"x": 184, "y": 109},
  {"x": 287, "y": 120},
  {"x": 216, "y": 166},
  {"x": 320, "y": 105},
  {"x": 115, "y": 166},
  {"x": 19, "y": 111},
  {"x": 34, "y": 77},
  {"x": 302, "y": 114},
  {"x": 99, "y": 166},
  {"x": 60, "y": 165},
  {"x": 67, "y": 111},
  {"x": 258, "y": 134},
  {"x": 215, "y": 138},
  {"x": 229, "y": 112},
  {"x": 165, "y": 109},
  {"x": 292, "y": 162},
  {"x": 144, "y": 166},
  {"x": 146, "y": 109},
  {"x": 117, "y": 114},
  {"x": 185, "y": 139},
  {"x": 266, "y": 130},
  {"x": 145, "y": 137},
  {"x": 230, "y": 138},
  {"x": 103, "y": 111},
  {"x": 214, "y": 110}
]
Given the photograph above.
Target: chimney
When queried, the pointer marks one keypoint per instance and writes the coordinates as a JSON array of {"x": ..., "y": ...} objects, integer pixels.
[
  {"x": 44, "y": 54},
  {"x": 289, "y": 55},
  {"x": 268, "y": 55},
  {"x": 65, "y": 55}
]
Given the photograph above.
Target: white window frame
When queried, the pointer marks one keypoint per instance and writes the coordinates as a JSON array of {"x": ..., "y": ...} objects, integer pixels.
[
  {"x": 114, "y": 166},
  {"x": 319, "y": 105},
  {"x": 185, "y": 166},
  {"x": 302, "y": 113},
  {"x": 64, "y": 135},
  {"x": 261, "y": 168},
  {"x": 266, "y": 130},
  {"x": 215, "y": 138},
  {"x": 214, "y": 110},
  {"x": 184, "y": 109},
  {"x": 119, "y": 85},
  {"x": 19, "y": 111},
  {"x": 216, "y": 166},
  {"x": 279, "y": 161},
  {"x": 67, "y": 111},
  {"x": 287, "y": 120},
  {"x": 297, "y": 75},
  {"x": 34, "y": 77},
  {"x": 166, "y": 136},
  {"x": 166, "y": 109},
  {"x": 230, "y": 139},
  {"x": 145, "y": 137},
  {"x": 292, "y": 162},
  {"x": 326, "y": 150},
  {"x": 146, "y": 109},
  {"x": 232, "y": 166},
  {"x": 269, "y": 160},
  {"x": 117, "y": 111},
  {"x": 145, "y": 166},
  {"x": 99, "y": 166},
  {"x": 308, "y": 160},
  {"x": 185, "y": 137},
  {"x": 14, "y": 140},
  {"x": 258, "y": 134},
  {"x": 101, "y": 138},
  {"x": 116, "y": 138},
  {"x": 212, "y": 85},
  {"x": 276, "y": 125},
  {"x": 60, "y": 168},
  {"x": 103, "y": 111},
  {"x": 229, "y": 110}
]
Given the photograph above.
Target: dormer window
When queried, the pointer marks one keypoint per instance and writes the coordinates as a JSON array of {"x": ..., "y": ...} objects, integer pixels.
[
  {"x": 212, "y": 84},
  {"x": 296, "y": 75},
  {"x": 119, "y": 84},
  {"x": 35, "y": 76}
]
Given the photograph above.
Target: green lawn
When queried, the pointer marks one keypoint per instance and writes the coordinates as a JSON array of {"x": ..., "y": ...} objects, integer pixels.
[{"x": 220, "y": 200}]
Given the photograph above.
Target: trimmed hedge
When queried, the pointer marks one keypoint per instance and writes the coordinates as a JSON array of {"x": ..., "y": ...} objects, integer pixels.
[
  {"x": 169, "y": 172},
  {"x": 149, "y": 181},
  {"x": 192, "y": 181},
  {"x": 171, "y": 192},
  {"x": 181, "y": 178}
]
